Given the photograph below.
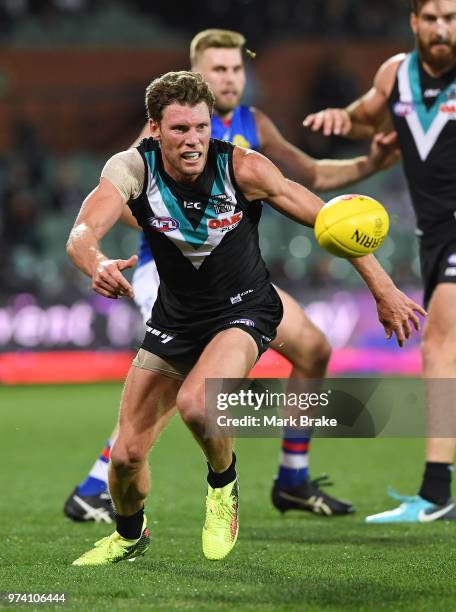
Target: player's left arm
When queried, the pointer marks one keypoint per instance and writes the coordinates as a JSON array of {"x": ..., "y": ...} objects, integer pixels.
[
  {"x": 259, "y": 179},
  {"x": 322, "y": 174}
]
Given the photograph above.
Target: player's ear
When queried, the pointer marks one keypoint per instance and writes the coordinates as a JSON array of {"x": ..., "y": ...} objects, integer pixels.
[{"x": 154, "y": 129}]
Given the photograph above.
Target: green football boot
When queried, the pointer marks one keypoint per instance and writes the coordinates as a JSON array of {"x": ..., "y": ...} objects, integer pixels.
[{"x": 221, "y": 527}]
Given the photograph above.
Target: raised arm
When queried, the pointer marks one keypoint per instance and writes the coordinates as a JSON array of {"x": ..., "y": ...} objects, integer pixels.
[
  {"x": 260, "y": 179},
  {"x": 364, "y": 116},
  {"x": 322, "y": 174}
]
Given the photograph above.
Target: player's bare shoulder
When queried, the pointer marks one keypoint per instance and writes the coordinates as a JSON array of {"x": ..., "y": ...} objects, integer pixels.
[
  {"x": 386, "y": 74},
  {"x": 252, "y": 171}
]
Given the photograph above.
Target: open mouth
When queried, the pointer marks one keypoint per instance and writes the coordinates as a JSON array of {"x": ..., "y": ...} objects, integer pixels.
[{"x": 191, "y": 155}]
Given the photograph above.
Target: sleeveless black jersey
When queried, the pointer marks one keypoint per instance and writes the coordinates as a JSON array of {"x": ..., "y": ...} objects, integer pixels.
[
  {"x": 204, "y": 237},
  {"x": 424, "y": 115}
]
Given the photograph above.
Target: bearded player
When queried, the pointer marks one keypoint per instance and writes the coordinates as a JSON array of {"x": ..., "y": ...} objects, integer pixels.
[{"x": 417, "y": 91}]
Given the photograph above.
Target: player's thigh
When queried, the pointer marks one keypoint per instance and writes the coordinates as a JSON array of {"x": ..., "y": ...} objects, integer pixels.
[
  {"x": 230, "y": 354},
  {"x": 440, "y": 326},
  {"x": 147, "y": 403},
  {"x": 296, "y": 334}
]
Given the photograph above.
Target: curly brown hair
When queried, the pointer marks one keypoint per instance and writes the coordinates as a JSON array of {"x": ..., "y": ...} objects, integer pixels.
[{"x": 186, "y": 88}]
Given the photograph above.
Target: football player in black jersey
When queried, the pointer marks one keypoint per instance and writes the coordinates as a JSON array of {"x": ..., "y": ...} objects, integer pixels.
[
  {"x": 216, "y": 337},
  {"x": 417, "y": 92},
  {"x": 218, "y": 55}
]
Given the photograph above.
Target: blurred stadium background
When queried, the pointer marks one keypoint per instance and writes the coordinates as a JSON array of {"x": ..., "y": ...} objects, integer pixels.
[{"x": 72, "y": 77}]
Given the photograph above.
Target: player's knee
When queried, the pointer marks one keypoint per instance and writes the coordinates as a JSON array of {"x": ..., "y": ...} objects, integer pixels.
[
  {"x": 190, "y": 405},
  {"x": 312, "y": 353},
  {"x": 127, "y": 457},
  {"x": 321, "y": 350},
  {"x": 435, "y": 346}
]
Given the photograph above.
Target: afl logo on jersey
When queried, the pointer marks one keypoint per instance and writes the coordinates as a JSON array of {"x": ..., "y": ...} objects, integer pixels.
[
  {"x": 402, "y": 109},
  {"x": 163, "y": 224}
]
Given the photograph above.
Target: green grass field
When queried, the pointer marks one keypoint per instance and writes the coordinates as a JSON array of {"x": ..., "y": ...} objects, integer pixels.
[{"x": 49, "y": 437}]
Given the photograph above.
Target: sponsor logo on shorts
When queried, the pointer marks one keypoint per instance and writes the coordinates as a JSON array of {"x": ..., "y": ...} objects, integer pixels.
[
  {"x": 162, "y": 336},
  {"x": 247, "y": 322},
  {"x": 225, "y": 225},
  {"x": 163, "y": 224},
  {"x": 452, "y": 259},
  {"x": 402, "y": 109},
  {"x": 238, "y": 298},
  {"x": 450, "y": 272}
]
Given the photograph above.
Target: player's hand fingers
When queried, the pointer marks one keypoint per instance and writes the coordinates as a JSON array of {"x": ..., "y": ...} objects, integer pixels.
[
  {"x": 122, "y": 285},
  {"x": 128, "y": 263},
  {"x": 388, "y": 331},
  {"x": 406, "y": 329},
  {"x": 105, "y": 278},
  {"x": 308, "y": 121},
  {"x": 339, "y": 122},
  {"x": 389, "y": 139},
  {"x": 400, "y": 337},
  {"x": 379, "y": 137},
  {"x": 414, "y": 319},
  {"x": 111, "y": 276},
  {"x": 419, "y": 309},
  {"x": 101, "y": 284},
  {"x": 317, "y": 121},
  {"x": 328, "y": 123},
  {"x": 344, "y": 122},
  {"x": 104, "y": 292}
]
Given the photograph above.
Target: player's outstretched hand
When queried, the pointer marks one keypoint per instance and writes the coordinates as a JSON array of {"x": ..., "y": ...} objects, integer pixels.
[
  {"x": 330, "y": 121},
  {"x": 108, "y": 280},
  {"x": 396, "y": 312},
  {"x": 384, "y": 151}
]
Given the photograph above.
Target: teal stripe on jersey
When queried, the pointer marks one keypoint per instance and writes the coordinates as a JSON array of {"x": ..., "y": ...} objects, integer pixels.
[
  {"x": 194, "y": 237},
  {"x": 425, "y": 115},
  {"x": 219, "y": 183},
  {"x": 150, "y": 157}
]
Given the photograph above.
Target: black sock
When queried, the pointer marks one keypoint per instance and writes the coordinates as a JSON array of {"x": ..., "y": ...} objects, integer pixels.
[
  {"x": 217, "y": 481},
  {"x": 130, "y": 527},
  {"x": 436, "y": 485}
]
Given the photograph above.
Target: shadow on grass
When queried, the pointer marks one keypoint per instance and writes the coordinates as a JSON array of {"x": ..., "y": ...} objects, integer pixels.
[{"x": 226, "y": 584}]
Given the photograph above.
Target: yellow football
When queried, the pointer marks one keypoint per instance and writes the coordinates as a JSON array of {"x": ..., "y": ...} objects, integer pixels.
[{"x": 351, "y": 225}]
